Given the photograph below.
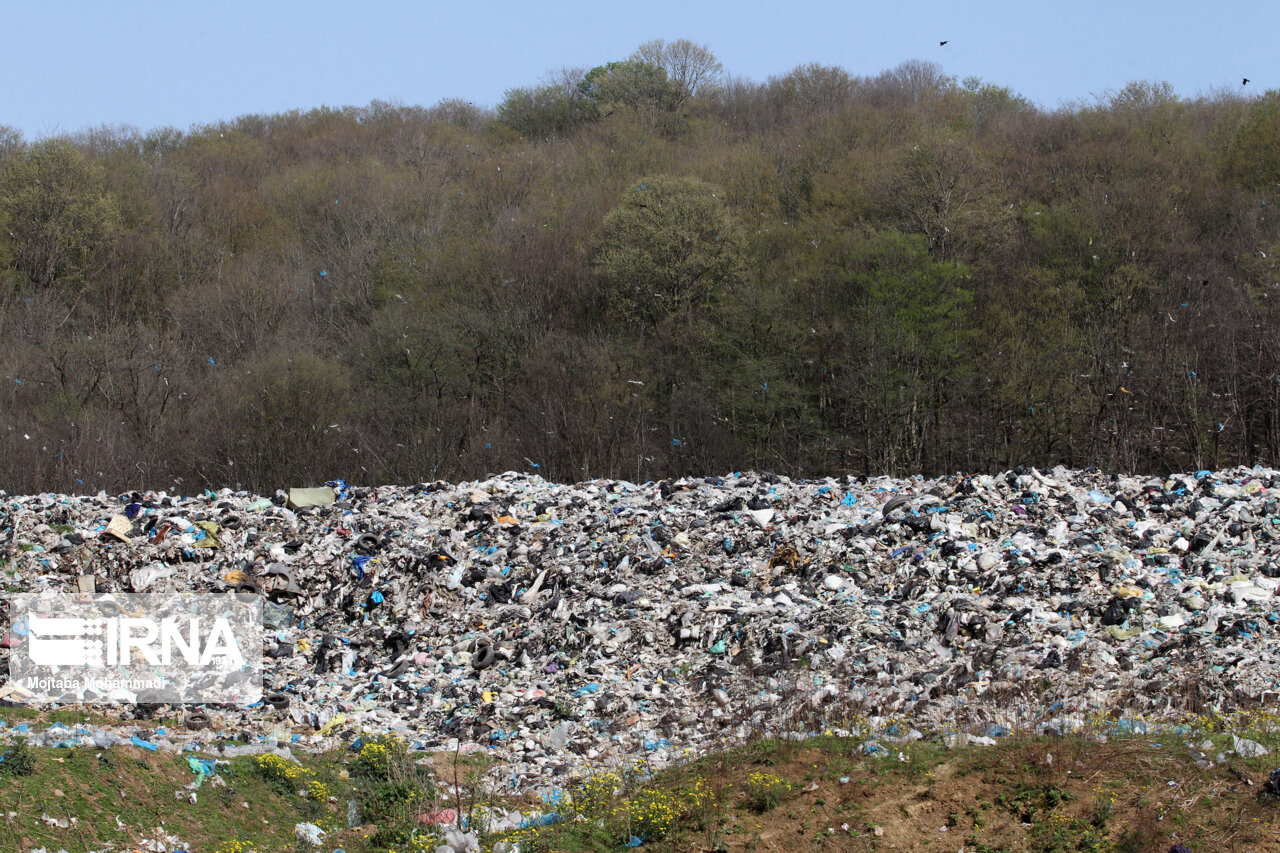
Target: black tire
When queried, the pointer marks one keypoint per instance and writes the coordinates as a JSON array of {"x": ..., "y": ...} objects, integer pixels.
[
  {"x": 894, "y": 503},
  {"x": 198, "y": 722},
  {"x": 279, "y": 701},
  {"x": 484, "y": 655}
]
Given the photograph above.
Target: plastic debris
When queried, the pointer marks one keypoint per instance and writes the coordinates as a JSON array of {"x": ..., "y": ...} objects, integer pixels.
[
  {"x": 557, "y": 627},
  {"x": 309, "y": 833}
]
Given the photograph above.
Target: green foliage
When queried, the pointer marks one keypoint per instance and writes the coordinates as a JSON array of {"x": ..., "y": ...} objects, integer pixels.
[
  {"x": 988, "y": 101},
  {"x": 380, "y": 756},
  {"x": 1253, "y": 161},
  {"x": 393, "y": 802},
  {"x": 1142, "y": 95},
  {"x": 943, "y": 190},
  {"x": 631, "y": 83},
  {"x": 766, "y": 791},
  {"x": 596, "y": 796},
  {"x": 823, "y": 273},
  {"x": 281, "y": 775},
  {"x": 11, "y": 143},
  {"x": 282, "y": 407},
  {"x": 814, "y": 87},
  {"x": 547, "y": 111},
  {"x": 918, "y": 303},
  {"x": 653, "y": 812},
  {"x": 60, "y": 221},
  {"x": 392, "y": 789},
  {"x": 19, "y": 760},
  {"x": 374, "y": 761},
  {"x": 667, "y": 248},
  {"x": 603, "y": 812}
]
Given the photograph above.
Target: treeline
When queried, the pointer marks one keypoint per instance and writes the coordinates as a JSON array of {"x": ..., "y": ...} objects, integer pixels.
[{"x": 646, "y": 269}]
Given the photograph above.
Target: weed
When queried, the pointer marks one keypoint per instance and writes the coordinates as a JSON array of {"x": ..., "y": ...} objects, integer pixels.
[
  {"x": 652, "y": 812},
  {"x": 375, "y": 758},
  {"x": 595, "y": 797},
  {"x": 765, "y": 791},
  {"x": 280, "y": 774},
  {"x": 763, "y": 751},
  {"x": 233, "y": 846},
  {"x": 1104, "y": 802},
  {"x": 18, "y": 760},
  {"x": 394, "y": 802}
]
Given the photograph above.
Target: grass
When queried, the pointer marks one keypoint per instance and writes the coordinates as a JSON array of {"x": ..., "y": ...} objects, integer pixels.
[
  {"x": 1035, "y": 794},
  {"x": 65, "y": 716},
  {"x": 1129, "y": 792},
  {"x": 120, "y": 796}
]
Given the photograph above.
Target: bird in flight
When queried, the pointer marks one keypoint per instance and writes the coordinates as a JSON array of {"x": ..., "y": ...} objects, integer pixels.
[
  {"x": 1244, "y": 81},
  {"x": 941, "y": 43}
]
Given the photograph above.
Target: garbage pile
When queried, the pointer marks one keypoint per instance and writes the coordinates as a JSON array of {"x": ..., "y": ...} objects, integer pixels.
[{"x": 559, "y": 627}]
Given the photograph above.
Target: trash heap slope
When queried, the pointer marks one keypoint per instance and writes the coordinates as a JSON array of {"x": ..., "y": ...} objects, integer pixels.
[{"x": 564, "y": 626}]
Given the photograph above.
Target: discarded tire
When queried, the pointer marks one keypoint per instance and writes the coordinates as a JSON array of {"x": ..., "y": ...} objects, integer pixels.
[
  {"x": 893, "y": 504},
  {"x": 198, "y": 721},
  {"x": 483, "y": 655},
  {"x": 279, "y": 701}
]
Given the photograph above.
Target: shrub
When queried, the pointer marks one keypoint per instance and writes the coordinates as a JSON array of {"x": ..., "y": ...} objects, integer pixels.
[
  {"x": 392, "y": 802},
  {"x": 317, "y": 791},
  {"x": 765, "y": 791},
  {"x": 280, "y": 774},
  {"x": 596, "y": 797},
  {"x": 374, "y": 760},
  {"x": 18, "y": 760},
  {"x": 653, "y": 811}
]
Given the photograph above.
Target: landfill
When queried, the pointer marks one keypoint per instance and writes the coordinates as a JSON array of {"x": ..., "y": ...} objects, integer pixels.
[{"x": 561, "y": 628}]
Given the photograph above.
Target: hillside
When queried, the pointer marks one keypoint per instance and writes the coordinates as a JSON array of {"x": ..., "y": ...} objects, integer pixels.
[{"x": 632, "y": 272}]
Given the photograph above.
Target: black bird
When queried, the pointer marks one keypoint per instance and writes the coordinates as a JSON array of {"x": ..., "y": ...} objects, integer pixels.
[
  {"x": 1244, "y": 81},
  {"x": 941, "y": 43}
]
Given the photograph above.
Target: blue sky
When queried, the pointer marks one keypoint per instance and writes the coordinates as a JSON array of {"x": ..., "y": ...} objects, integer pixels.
[{"x": 68, "y": 65}]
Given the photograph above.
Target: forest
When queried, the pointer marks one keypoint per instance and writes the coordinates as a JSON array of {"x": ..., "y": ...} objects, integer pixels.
[{"x": 646, "y": 269}]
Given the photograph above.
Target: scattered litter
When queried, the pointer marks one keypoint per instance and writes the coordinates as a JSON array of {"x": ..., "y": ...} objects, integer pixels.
[
  {"x": 309, "y": 833},
  {"x": 560, "y": 626}
]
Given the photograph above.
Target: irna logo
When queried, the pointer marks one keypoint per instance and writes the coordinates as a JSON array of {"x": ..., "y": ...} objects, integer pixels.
[
  {"x": 184, "y": 647},
  {"x": 122, "y": 640}
]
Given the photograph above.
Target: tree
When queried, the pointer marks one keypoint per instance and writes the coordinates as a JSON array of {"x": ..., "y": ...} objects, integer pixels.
[
  {"x": 915, "y": 81},
  {"x": 988, "y": 101},
  {"x": 940, "y": 190},
  {"x": 550, "y": 110},
  {"x": 691, "y": 68},
  {"x": 632, "y": 83},
  {"x": 60, "y": 219},
  {"x": 813, "y": 87},
  {"x": 914, "y": 343},
  {"x": 283, "y": 417},
  {"x": 1253, "y": 161},
  {"x": 668, "y": 246},
  {"x": 1140, "y": 95},
  {"x": 11, "y": 143}
]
